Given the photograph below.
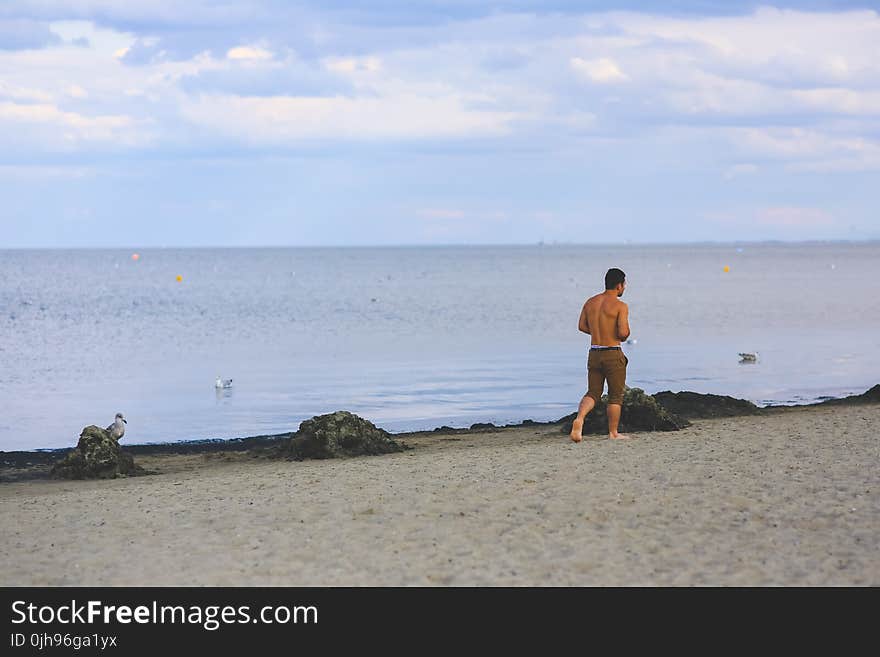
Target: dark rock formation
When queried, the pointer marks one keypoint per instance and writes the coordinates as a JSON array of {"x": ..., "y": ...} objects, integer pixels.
[
  {"x": 694, "y": 405},
  {"x": 640, "y": 412},
  {"x": 339, "y": 434},
  {"x": 871, "y": 396},
  {"x": 446, "y": 429},
  {"x": 97, "y": 456},
  {"x": 478, "y": 426},
  {"x": 530, "y": 423}
]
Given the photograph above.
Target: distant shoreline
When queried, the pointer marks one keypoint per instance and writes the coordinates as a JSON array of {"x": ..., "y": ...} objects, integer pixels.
[{"x": 866, "y": 240}]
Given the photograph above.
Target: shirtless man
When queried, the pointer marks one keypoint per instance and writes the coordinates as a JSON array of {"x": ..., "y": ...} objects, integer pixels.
[{"x": 606, "y": 318}]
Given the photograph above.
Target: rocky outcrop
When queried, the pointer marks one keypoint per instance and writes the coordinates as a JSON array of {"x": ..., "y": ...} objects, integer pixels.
[
  {"x": 871, "y": 396},
  {"x": 695, "y": 405},
  {"x": 97, "y": 456},
  {"x": 339, "y": 434},
  {"x": 640, "y": 412},
  {"x": 482, "y": 426}
]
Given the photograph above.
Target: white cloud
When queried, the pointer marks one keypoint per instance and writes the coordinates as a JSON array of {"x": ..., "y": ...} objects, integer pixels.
[
  {"x": 839, "y": 101},
  {"x": 71, "y": 127},
  {"x": 76, "y": 91},
  {"x": 602, "y": 70},
  {"x": 248, "y": 53},
  {"x": 353, "y": 64},
  {"x": 788, "y": 69},
  {"x": 770, "y": 63},
  {"x": 280, "y": 119},
  {"x": 100, "y": 39},
  {"x": 798, "y": 142},
  {"x": 840, "y": 44},
  {"x": 23, "y": 93}
]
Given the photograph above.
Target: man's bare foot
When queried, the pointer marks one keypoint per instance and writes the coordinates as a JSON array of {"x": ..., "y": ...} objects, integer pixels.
[
  {"x": 618, "y": 436},
  {"x": 575, "y": 434}
]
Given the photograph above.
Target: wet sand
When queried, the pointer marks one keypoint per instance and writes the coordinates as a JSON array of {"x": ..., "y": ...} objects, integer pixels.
[{"x": 790, "y": 497}]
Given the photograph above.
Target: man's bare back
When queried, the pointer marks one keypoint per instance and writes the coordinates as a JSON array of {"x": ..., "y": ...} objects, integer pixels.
[{"x": 606, "y": 318}]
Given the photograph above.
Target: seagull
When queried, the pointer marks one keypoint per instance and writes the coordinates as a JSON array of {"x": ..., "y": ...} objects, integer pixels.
[
  {"x": 631, "y": 341},
  {"x": 117, "y": 429},
  {"x": 222, "y": 383},
  {"x": 748, "y": 358}
]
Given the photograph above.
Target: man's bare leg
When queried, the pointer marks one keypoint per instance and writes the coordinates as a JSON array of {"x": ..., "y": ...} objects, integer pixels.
[
  {"x": 613, "y": 421},
  {"x": 586, "y": 405}
]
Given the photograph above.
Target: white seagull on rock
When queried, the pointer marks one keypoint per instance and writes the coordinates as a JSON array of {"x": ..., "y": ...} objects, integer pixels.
[{"x": 117, "y": 429}]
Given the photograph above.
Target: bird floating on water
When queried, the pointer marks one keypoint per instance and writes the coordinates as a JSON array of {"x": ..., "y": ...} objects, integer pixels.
[
  {"x": 748, "y": 358},
  {"x": 631, "y": 341},
  {"x": 117, "y": 429},
  {"x": 223, "y": 383}
]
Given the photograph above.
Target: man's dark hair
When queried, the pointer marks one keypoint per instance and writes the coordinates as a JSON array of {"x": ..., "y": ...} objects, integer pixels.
[{"x": 613, "y": 278}]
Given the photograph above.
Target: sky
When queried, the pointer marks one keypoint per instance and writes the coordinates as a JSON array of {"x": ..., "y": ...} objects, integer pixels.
[{"x": 160, "y": 123}]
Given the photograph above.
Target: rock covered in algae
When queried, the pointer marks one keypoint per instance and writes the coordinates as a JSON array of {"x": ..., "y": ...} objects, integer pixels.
[
  {"x": 640, "y": 412},
  {"x": 97, "y": 456},
  {"x": 699, "y": 405},
  {"x": 339, "y": 434}
]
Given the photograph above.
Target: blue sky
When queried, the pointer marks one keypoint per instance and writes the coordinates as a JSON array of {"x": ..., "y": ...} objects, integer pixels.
[{"x": 262, "y": 122}]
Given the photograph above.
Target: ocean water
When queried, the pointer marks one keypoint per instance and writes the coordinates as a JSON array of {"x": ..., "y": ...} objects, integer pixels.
[{"x": 411, "y": 337}]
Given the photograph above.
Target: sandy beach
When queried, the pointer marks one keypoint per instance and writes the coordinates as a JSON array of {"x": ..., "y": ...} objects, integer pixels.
[{"x": 790, "y": 497}]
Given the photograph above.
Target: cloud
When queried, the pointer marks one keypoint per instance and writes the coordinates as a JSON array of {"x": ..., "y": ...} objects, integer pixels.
[
  {"x": 248, "y": 53},
  {"x": 770, "y": 64},
  {"x": 70, "y": 128},
  {"x": 839, "y": 101},
  {"x": 652, "y": 81},
  {"x": 602, "y": 70},
  {"x": 10, "y": 92},
  {"x": 809, "y": 148},
  {"x": 88, "y": 35},
  {"x": 347, "y": 65},
  {"x": 266, "y": 79},
  {"x": 286, "y": 119}
]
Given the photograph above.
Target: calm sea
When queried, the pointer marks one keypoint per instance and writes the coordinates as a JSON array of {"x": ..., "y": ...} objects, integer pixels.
[{"x": 411, "y": 338}]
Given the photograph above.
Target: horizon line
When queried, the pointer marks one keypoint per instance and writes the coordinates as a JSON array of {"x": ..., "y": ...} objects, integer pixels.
[{"x": 552, "y": 243}]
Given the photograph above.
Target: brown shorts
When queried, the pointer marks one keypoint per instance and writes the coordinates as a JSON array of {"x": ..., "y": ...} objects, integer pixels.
[{"x": 606, "y": 364}]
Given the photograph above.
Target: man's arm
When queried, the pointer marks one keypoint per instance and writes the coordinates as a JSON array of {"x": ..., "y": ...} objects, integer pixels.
[
  {"x": 583, "y": 322},
  {"x": 623, "y": 322}
]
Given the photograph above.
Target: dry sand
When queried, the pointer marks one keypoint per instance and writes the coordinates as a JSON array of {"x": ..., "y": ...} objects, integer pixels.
[{"x": 787, "y": 498}]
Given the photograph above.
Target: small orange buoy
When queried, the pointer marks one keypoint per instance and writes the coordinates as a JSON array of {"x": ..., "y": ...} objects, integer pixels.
[
  {"x": 179, "y": 278},
  {"x": 135, "y": 256},
  {"x": 726, "y": 268}
]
